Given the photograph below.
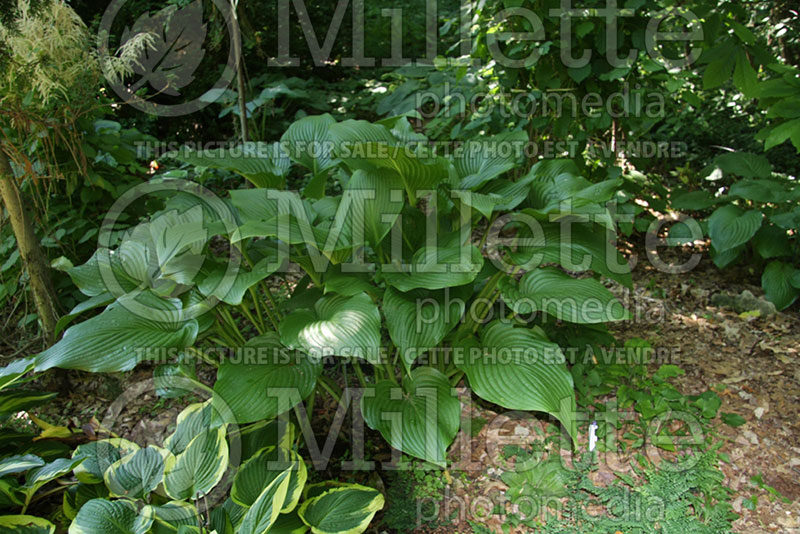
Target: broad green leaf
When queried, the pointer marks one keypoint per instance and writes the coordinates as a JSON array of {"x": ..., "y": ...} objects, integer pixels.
[
  {"x": 265, "y": 510},
  {"x": 136, "y": 474},
  {"x": 288, "y": 524},
  {"x": 356, "y": 131},
  {"x": 100, "y": 516},
  {"x": 772, "y": 242},
  {"x": 25, "y": 524},
  {"x": 348, "y": 284},
  {"x": 693, "y": 201},
  {"x": 482, "y": 203},
  {"x": 376, "y": 198},
  {"x": 340, "y": 326},
  {"x": 38, "y": 477},
  {"x": 344, "y": 510},
  {"x": 15, "y": 370},
  {"x": 253, "y": 438},
  {"x": 547, "y": 478},
  {"x": 547, "y": 170},
  {"x": 418, "y": 320},
  {"x": 230, "y": 284},
  {"x": 745, "y": 77},
  {"x": 436, "y": 268},
  {"x": 729, "y": 227},
  {"x": 118, "y": 339},
  {"x": 777, "y": 283},
  {"x": 584, "y": 301},
  {"x": 194, "y": 472},
  {"x": 308, "y": 143},
  {"x": 419, "y": 172},
  {"x": 244, "y": 381},
  {"x": 172, "y": 380},
  {"x": 767, "y": 191},
  {"x": 77, "y": 495},
  {"x": 745, "y": 164},
  {"x": 17, "y": 400},
  {"x": 519, "y": 369},
  {"x": 171, "y": 516},
  {"x": 19, "y": 464},
  {"x": 265, "y": 165},
  {"x": 478, "y": 162},
  {"x": 98, "y": 456},
  {"x": 725, "y": 258},
  {"x": 267, "y": 465},
  {"x": 421, "y": 418}
]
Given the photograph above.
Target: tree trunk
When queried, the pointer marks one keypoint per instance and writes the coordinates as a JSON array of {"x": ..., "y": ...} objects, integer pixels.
[
  {"x": 33, "y": 258},
  {"x": 239, "y": 55}
]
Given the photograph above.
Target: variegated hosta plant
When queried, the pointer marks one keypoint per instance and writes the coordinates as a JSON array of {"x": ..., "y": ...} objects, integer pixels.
[
  {"x": 416, "y": 271},
  {"x": 209, "y": 477}
]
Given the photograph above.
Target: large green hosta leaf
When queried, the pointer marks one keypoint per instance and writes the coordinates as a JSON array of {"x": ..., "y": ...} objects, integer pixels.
[
  {"x": 100, "y": 516},
  {"x": 519, "y": 369},
  {"x": 263, "y": 164},
  {"x": 729, "y": 227},
  {"x": 436, "y": 268},
  {"x": 344, "y": 510},
  {"x": 135, "y": 475},
  {"x": 418, "y": 172},
  {"x": 15, "y": 370},
  {"x": 243, "y": 382},
  {"x": 171, "y": 516},
  {"x": 199, "y": 468},
  {"x": 118, "y": 339},
  {"x": 265, "y": 510},
  {"x": 549, "y": 290},
  {"x": 420, "y": 418},
  {"x": 418, "y": 320},
  {"x": 25, "y": 524},
  {"x": 340, "y": 326},
  {"x": 19, "y": 464},
  {"x": 100, "y": 455},
  {"x": 479, "y": 161},
  {"x": 230, "y": 285},
  {"x": 308, "y": 143},
  {"x": 779, "y": 281},
  {"x": 79, "y": 494},
  {"x": 16, "y": 400},
  {"x": 193, "y": 420},
  {"x": 267, "y": 465},
  {"x": 377, "y": 200},
  {"x": 38, "y": 477}
]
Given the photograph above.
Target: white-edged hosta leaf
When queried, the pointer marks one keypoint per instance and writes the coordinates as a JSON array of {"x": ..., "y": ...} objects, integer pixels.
[
  {"x": 436, "y": 268},
  {"x": 118, "y": 339},
  {"x": 25, "y": 524},
  {"x": 98, "y": 456},
  {"x": 777, "y": 281},
  {"x": 194, "y": 472},
  {"x": 340, "y": 326},
  {"x": 729, "y": 227},
  {"x": 136, "y": 474},
  {"x": 243, "y": 382},
  {"x": 419, "y": 319},
  {"x": 288, "y": 524},
  {"x": 344, "y": 510},
  {"x": 519, "y": 369},
  {"x": 421, "y": 418},
  {"x": 584, "y": 301},
  {"x": 100, "y": 516},
  {"x": 17, "y": 400},
  {"x": 39, "y": 476},
  {"x": 168, "y": 517},
  {"x": 259, "y": 471},
  {"x": 479, "y": 161},
  {"x": 19, "y": 464},
  {"x": 265, "y": 510},
  {"x": 193, "y": 420}
]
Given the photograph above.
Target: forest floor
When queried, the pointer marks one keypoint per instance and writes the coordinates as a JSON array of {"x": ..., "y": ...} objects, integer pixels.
[{"x": 751, "y": 362}]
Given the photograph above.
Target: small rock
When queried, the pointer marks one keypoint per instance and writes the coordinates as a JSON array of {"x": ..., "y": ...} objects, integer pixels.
[
  {"x": 759, "y": 412},
  {"x": 751, "y": 436},
  {"x": 520, "y": 430}
]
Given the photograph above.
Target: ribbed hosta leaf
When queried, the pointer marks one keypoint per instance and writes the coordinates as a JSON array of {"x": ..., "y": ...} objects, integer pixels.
[
  {"x": 288, "y": 524},
  {"x": 729, "y": 227},
  {"x": 15, "y": 370},
  {"x": 482, "y": 203},
  {"x": 193, "y": 420},
  {"x": 479, "y": 161},
  {"x": 98, "y": 456},
  {"x": 39, "y": 476},
  {"x": 418, "y": 173},
  {"x": 172, "y": 515},
  {"x": 19, "y": 464},
  {"x": 549, "y": 196},
  {"x": 100, "y": 516},
  {"x": 263, "y": 164},
  {"x": 243, "y": 382},
  {"x": 418, "y": 320},
  {"x": 135, "y": 475},
  {"x": 267, "y": 465},
  {"x": 519, "y": 369},
  {"x": 357, "y": 131},
  {"x": 308, "y": 143},
  {"x": 230, "y": 284},
  {"x": 25, "y": 524},
  {"x": 265, "y": 510},
  {"x": 436, "y": 268},
  {"x": 420, "y": 418},
  {"x": 343, "y": 510},
  {"x": 377, "y": 200},
  {"x": 77, "y": 495},
  {"x": 118, "y": 339},
  {"x": 340, "y": 326},
  {"x": 551, "y": 291},
  {"x": 777, "y": 280},
  {"x": 199, "y": 468}
]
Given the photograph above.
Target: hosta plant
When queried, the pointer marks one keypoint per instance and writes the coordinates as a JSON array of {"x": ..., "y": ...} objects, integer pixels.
[
  {"x": 412, "y": 271},
  {"x": 123, "y": 488}
]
